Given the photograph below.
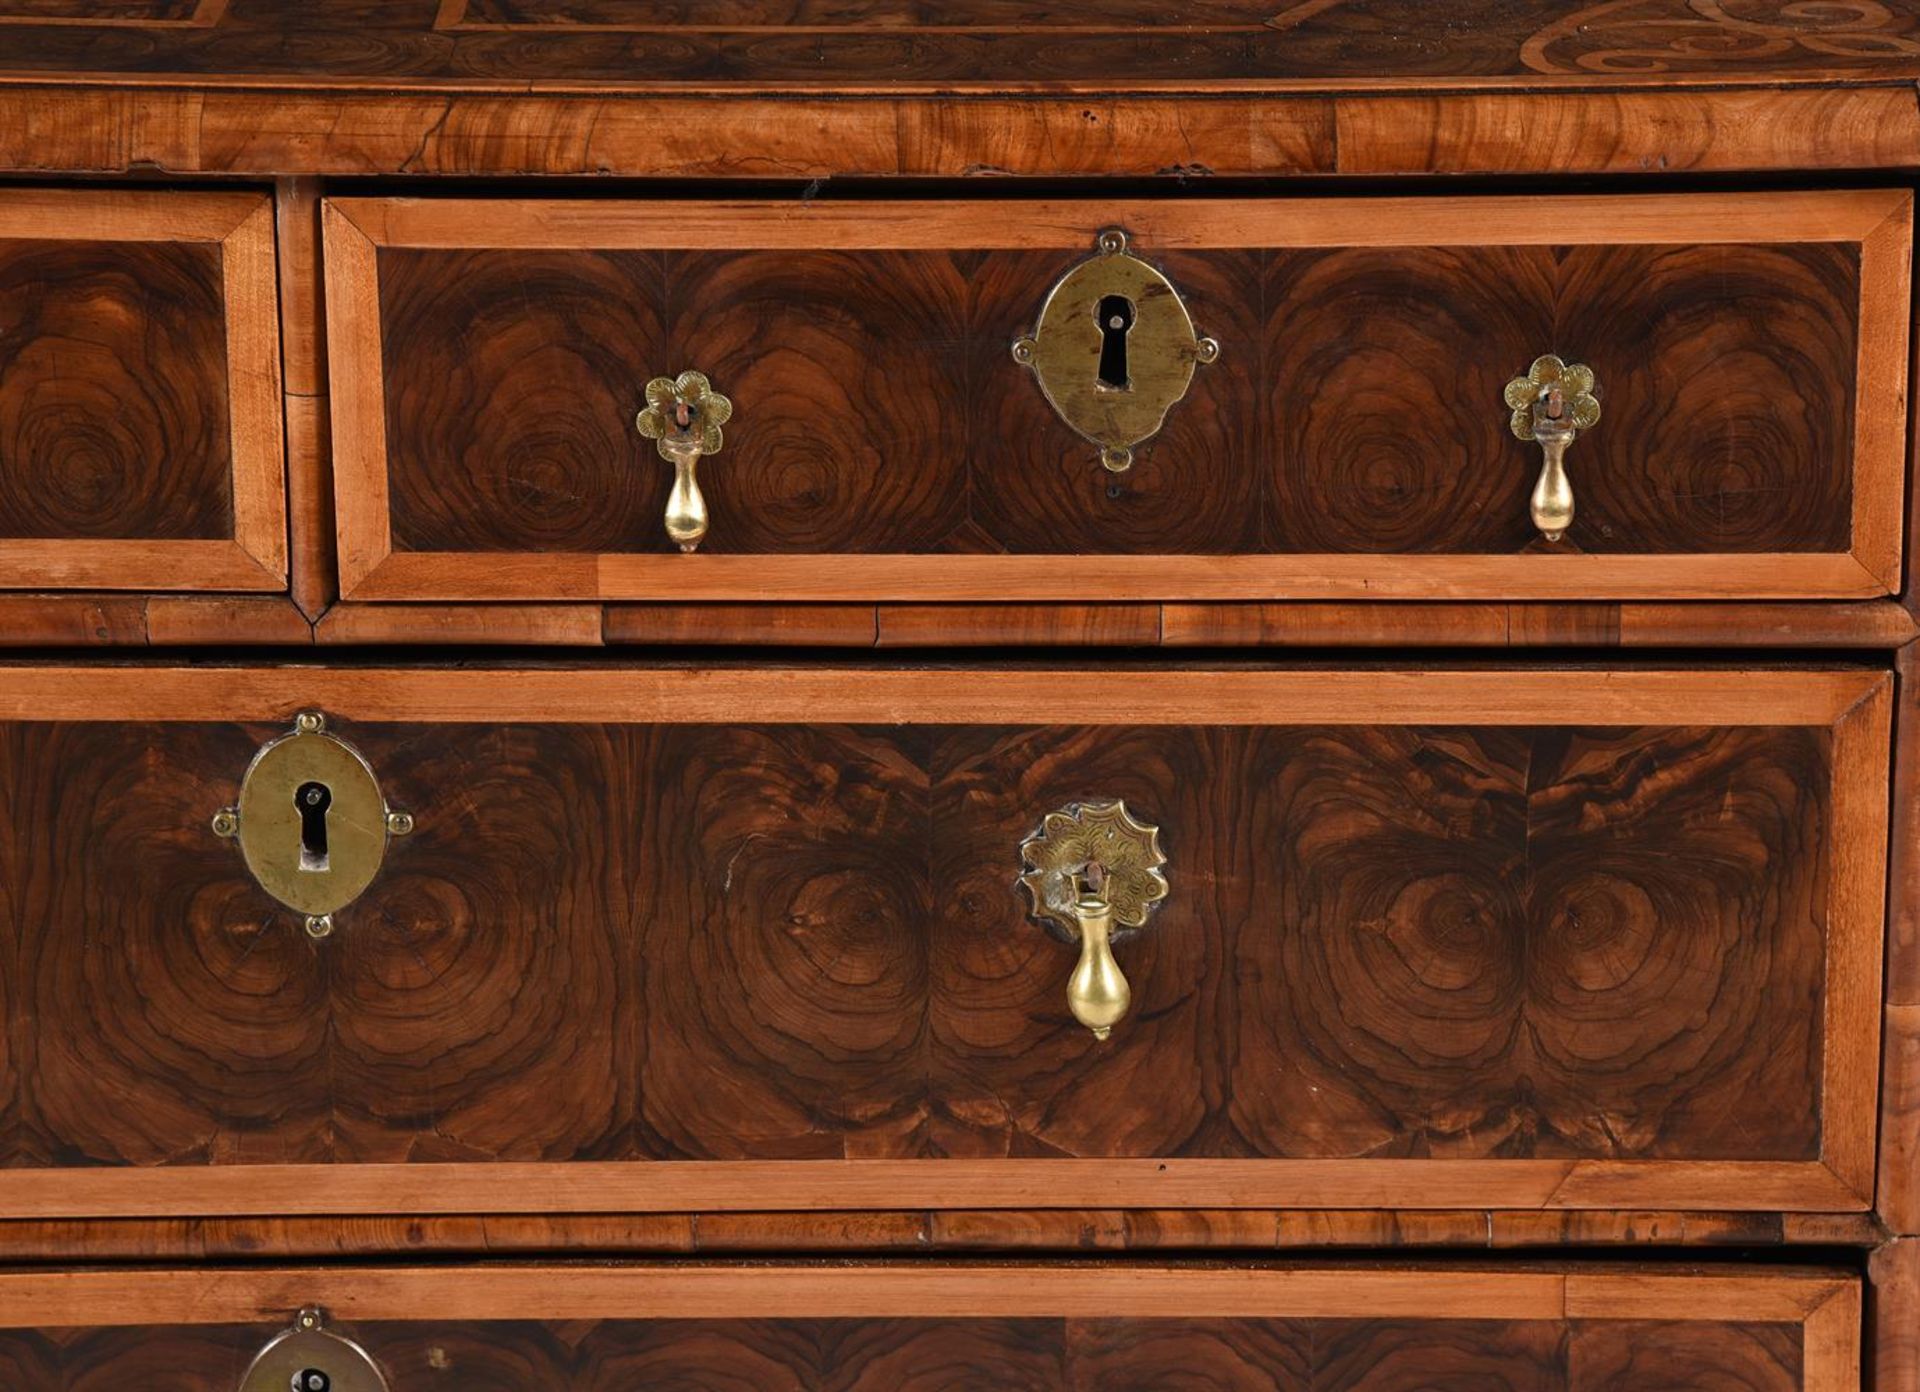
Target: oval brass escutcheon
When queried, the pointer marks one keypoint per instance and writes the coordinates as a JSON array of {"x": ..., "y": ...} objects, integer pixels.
[
  {"x": 311, "y": 822},
  {"x": 309, "y": 1358},
  {"x": 1114, "y": 349}
]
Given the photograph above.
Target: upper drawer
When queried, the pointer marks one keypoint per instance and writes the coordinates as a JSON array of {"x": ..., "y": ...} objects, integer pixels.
[
  {"x": 140, "y": 405},
  {"x": 1353, "y": 435},
  {"x": 934, "y": 1327},
  {"x": 686, "y": 939}
]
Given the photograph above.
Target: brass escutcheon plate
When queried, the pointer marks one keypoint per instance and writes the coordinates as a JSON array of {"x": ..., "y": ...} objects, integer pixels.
[
  {"x": 308, "y": 1357},
  {"x": 1114, "y": 393},
  {"x": 313, "y": 871},
  {"x": 1083, "y": 834}
]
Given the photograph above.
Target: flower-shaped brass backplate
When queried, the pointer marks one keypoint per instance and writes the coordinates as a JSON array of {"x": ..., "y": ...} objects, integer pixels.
[
  {"x": 1095, "y": 846},
  {"x": 1573, "y": 382},
  {"x": 686, "y": 412}
]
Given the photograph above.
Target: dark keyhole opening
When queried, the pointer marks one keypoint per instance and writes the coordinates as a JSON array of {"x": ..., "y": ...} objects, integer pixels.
[
  {"x": 1116, "y": 319},
  {"x": 311, "y": 1379},
  {"x": 313, "y": 800}
]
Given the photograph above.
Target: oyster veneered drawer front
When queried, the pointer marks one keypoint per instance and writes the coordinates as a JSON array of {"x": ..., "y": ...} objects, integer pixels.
[
  {"x": 1055, "y": 1327},
  {"x": 1164, "y": 399},
  {"x": 667, "y": 938},
  {"x": 140, "y": 401}
]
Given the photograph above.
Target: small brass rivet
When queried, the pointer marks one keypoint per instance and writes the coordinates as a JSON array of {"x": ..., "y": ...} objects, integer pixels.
[
  {"x": 226, "y": 822},
  {"x": 1023, "y": 351},
  {"x": 319, "y": 926},
  {"x": 1207, "y": 350},
  {"x": 1112, "y": 242},
  {"x": 309, "y": 1318},
  {"x": 309, "y": 722},
  {"x": 1116, "y": 459},
  {"x": 399, "y": 823}
]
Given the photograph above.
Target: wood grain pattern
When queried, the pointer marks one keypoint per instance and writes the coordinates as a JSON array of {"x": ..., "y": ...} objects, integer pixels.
[
  {"x": 313, "y": 577},
  {"x": 881, "y": 422},
  {"x": 1894, "y": 1316},
  {"x": 1856, "y": 626},
  {"x": 1899, "y": 1178},
  {"x": 840, "y": 1327},
  {"x": 139, "y": 392},
  {"x": 113, "y": 391},
  {"x": 213, "y": 1295},
  {"x": 1313, "y": 43},
  {"x": 82, "y": 621},
  {"x": 754, "y": 942},
  {"x": 874, "y": 1231},
  {"x": 1674, "y": 1357}
]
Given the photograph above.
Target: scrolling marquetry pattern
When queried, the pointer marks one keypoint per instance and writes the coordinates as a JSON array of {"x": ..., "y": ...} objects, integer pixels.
[
  {"x": 949, "y": 1355},
  {"x": 113, "y": 391},
  {"x": 793, "y": 942},
  {"x": 1357, "y": 407},
  {"x": 1107, "y": 44}
]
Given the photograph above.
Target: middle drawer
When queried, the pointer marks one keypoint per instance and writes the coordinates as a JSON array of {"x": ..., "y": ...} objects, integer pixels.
[
  {"x": 1155, "y": 400},
  {"x": 697, "y": 938}
]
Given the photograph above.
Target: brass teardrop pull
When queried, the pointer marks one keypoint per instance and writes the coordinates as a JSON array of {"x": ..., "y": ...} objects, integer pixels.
[
  {"x": 1091, "y": 868},
  {"x": 683, "y": 416},
  {"x": 1551, "y": 405}
]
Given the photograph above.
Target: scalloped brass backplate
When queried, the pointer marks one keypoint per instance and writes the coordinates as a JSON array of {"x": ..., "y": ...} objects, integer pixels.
[
  {"x": 308, "y": 1358},
  {"x": 1114, "y": 349},
  {"x": 1097, "y": 846}
]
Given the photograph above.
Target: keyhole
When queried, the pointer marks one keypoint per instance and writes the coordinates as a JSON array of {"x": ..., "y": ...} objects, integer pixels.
[
  {"x": 311, "y": 1380},
  {"x": 1116, "y": 319},
  {"x": 313, "y": 800}
]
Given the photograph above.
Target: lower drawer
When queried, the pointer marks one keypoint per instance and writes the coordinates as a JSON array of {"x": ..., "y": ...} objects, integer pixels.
[
  {"x": 861, "y": 1328},
  {"x": 688, "y": 939}
]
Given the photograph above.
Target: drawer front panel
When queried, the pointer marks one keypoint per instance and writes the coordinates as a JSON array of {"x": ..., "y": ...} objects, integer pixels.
[
  {"x": 1601, "y": 938},
  {"x": 1044, "y": 1328},
  {"x": 140, "y": 406},
  {"x": 885, "y": 443}
]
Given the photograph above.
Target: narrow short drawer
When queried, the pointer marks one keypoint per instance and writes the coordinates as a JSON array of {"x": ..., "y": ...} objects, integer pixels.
[
  {"x": 1035, "y": 1327},
  {"x": 682, "y": 939},
  {"x": 140, "y": 402},
  {"x": 1168, "y": 399}
]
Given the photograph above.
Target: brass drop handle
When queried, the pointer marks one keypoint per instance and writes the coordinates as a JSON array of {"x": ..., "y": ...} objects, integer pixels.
[
  {"x": 1551, "y": 405},
  {"x": 1097, "y": 992},
  {"x": 683, "y": 416},
  {"x": 1092, "y": 868}
]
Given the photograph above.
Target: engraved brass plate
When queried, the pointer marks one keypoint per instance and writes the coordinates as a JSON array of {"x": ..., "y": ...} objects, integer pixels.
[
  {"x": 1114, "y": 349},
  {"x": 1095, "y": 846},
  {"x": 1092, "y": 867},
  {"x": 308, "y": 1358},
  {"x": 311, "y": 822}
]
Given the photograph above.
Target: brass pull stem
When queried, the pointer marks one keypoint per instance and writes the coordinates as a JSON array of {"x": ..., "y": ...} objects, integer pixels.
[
  {"x": 686, "y": 505},
  {"x": 1551, "y": 405},
  {"x": 1552, "y": 502},
  {"x": 1097, "y": 992},
  {"x": 683, "y": 416},
  {"x": 1091, "y": 867}
]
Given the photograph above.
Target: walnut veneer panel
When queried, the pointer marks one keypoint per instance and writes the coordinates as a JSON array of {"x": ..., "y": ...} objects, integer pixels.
[
  {"x": 1059, "y": 1328},
  {"x": 998, "y": 43},
  {"x": 140, "y": 428},
  {"x": 1350, "y": 440},
  {"x": 1585, "y": 962},
  {"x": 113, "y": 391}
]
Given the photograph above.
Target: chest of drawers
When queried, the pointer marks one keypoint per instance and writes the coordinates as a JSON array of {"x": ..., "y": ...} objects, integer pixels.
[{"x": 399, "y": 990}]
